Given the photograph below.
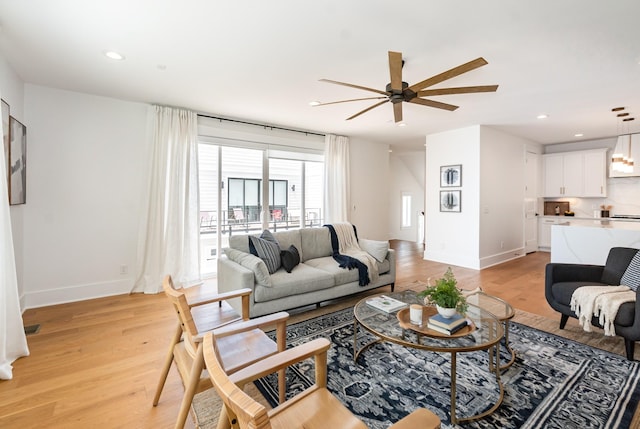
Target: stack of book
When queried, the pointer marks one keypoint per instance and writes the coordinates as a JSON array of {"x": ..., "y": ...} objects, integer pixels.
[{"x": 447, "y": 326}]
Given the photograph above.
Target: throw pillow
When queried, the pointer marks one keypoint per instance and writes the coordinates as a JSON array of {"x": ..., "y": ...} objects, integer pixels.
[
  {"x": 631, "y": 276},
  {"x": 290, "y": 258},
  {"x": 266, "y": 247},
  {"x": 377, "y": 249}
]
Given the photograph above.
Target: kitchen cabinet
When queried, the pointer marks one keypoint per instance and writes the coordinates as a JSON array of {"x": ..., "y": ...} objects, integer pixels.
[
  {"x": 575, "y": 174},
  {"x": 544, "y": 230}
]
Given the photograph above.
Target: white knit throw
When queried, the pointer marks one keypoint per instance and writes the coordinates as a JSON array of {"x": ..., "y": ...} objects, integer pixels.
[
  {"x": 602, "y": 302},
  {"x": 348, "y": 245}
]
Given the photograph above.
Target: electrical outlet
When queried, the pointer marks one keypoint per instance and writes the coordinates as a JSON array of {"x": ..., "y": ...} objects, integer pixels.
[{"x": 124, "y": 269}]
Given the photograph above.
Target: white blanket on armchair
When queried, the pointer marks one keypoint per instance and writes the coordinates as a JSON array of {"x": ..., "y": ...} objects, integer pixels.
[{"x": 602, "y": 302}]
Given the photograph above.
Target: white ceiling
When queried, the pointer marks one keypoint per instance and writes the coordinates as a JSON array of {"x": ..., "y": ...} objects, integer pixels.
[{"x": 261, "y": 60}]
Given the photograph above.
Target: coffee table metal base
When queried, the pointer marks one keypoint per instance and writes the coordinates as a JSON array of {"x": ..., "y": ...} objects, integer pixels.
[{"x": 494, "y": 368}]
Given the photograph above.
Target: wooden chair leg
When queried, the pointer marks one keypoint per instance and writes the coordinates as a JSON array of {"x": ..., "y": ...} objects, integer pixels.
[
  {"x": 223, "y": 419},
  {"x": 190, "y": 387},
  {"x": 167, "y": 365},
  {"x": 281, "y": 341}
]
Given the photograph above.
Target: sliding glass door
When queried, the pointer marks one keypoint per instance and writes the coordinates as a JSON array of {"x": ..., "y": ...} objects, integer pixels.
[{"x": 236, "y": 181}]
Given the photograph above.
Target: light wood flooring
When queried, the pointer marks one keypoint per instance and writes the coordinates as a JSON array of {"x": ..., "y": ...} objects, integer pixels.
[{"x": 95, "y": 364}]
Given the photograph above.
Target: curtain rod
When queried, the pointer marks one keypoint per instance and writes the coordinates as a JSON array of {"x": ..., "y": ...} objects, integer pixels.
[{"x": 273, "y": 127}]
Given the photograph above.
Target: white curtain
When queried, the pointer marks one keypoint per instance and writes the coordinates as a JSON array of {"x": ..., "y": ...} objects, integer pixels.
[
  {"x": 336, "y": 179},
  {"x": 13, "y": 342},
  {"x": 169, "y": 232}
]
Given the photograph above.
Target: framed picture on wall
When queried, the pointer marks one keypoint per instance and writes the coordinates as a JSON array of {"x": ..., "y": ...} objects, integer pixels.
[
  {"x": 450, "y": 175},
  {"x": 5, "y": 135},
  {"x": 17, "y": 162},
  {"x": 450, "y": 201}
]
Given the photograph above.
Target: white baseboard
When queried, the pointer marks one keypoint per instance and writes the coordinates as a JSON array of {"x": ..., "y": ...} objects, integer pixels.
[
  {"x": 64, "y": 295},
  {"x": 499, "y": 258},
  {"x": 476, "y": 264}
]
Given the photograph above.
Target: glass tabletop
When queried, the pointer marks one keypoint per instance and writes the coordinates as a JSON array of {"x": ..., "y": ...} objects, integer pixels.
[
  {"x": 488, "y": 329},
  {"x": 496, "y": 306}
]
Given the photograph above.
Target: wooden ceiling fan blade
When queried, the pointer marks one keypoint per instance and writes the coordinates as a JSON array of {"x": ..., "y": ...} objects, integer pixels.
[
  {"x": 348, "y": 101},
  {"x": 395, "y": 70},
  {"x": 350, "y": 85},
  {"x": 397, "y": 112},
  {"x": 456, "y": 71},
  {"x": 436, "y": 104},
  {"x": 367, "y": 109},
  {"x": 458, "y": 90}
]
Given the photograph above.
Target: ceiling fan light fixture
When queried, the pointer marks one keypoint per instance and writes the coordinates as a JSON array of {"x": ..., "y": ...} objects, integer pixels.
[{"x": 402, "y": 124}]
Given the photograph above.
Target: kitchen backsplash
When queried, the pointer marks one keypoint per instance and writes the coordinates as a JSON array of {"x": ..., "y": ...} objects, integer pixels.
[{"x": 623, "y": 197}]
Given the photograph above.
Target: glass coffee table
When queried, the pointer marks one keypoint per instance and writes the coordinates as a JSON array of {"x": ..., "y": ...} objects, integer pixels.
[
  {"x": 484, "y": 334},
  {"x": 503, "y": 311}
]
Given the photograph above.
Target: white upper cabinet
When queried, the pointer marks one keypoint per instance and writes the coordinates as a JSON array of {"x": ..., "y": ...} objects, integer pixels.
[{"x": 575, "y": 174}]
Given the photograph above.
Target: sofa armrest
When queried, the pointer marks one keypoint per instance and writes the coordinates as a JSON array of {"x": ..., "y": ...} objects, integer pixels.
[
  {"x": 233, "y": 276},
  {"x": 391, "y": 256},
  {"x": 562, "y": 272}
]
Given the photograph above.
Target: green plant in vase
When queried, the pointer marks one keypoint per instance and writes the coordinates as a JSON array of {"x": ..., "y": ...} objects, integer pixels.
[{"x": 445, "y": 295}]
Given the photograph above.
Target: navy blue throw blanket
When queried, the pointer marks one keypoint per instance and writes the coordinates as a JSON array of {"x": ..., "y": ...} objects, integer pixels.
[{"x": 346, "y": 261}]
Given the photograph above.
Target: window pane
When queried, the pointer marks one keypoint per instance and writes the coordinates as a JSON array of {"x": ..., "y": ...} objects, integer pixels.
[{"x": 406, "y": 210}]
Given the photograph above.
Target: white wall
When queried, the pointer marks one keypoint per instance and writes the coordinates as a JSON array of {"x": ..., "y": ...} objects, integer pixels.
[
  {"x": 12, "y": 91},
  {"x": 453, "y": 238},
  {"x": 407, "y": 175},
  {"x": 87, "y": 162},
  {"x": 490, "y": 228},
  {"x": 369, "y": 188},
  {"x": 502, "y": 194}
]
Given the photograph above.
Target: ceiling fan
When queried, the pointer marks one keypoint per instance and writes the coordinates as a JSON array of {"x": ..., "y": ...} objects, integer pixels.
[{"x": 398, "y": 91}]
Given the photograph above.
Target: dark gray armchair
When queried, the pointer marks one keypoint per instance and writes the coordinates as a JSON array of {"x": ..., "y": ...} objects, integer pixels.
[{"x": 562, "y": 279}]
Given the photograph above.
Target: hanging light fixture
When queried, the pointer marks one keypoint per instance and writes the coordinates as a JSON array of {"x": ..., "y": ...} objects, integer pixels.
[{"x": 621, "y": 160}]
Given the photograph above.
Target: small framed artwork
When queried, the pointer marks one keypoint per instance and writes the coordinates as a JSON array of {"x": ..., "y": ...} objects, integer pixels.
[
  {"x": 17, "y": 162},
  {"x": 450, "y": 201},
  {"x": 450, "y": 176},
  {"x": 5, "y": 135}
]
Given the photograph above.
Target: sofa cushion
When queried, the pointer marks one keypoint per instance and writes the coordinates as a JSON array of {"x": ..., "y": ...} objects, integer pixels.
[
  {"x": 290, "y": 258},
  {"x": 316, "y": 243},
  {"x": 250, "y": 262},
  {"x": 266, "y": 248},
  {"x": 617, "y": 262},
  {"x": 303, "y": 279},
  {"x": 329, "y": 265},
  {"x": 631, "y": 276},
  {"x": 377, "y": 249},
  {"x": 289, "y": 238}
]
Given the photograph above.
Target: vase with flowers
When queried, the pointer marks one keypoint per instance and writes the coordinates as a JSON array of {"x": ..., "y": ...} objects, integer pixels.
[{"x": 445, "y": 294}]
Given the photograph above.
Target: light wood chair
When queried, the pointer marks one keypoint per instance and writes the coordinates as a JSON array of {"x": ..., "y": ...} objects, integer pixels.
[
  {"x": 315, "y": 408},
  {"x": 200, "y": 312}
]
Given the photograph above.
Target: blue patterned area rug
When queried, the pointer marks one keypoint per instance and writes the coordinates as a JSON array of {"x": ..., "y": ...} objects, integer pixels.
[{"x": 554, "y": 382}]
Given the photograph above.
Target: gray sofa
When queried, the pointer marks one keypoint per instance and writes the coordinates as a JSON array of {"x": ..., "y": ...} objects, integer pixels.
[{"x": 315, "y": 279}]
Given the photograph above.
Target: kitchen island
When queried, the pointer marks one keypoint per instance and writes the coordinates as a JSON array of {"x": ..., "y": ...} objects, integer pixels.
[{"x": 587, "y": 241}]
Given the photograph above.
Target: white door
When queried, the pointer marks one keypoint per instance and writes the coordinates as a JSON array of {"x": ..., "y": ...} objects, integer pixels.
[{"x": 531, "y": 202}]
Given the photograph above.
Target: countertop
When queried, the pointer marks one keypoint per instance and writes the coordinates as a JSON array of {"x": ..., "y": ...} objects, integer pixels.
[{"x": 632, "y": 225}]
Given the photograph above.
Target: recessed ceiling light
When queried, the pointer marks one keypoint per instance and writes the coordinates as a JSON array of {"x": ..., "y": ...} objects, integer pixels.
[
  {"x": 314, "y": 103},
  {"x": 542, "y": 116},
  {"x": 390, "y": 151},
  {"x": 578, "y": 135},
  {"x": 114, "y": 55}
]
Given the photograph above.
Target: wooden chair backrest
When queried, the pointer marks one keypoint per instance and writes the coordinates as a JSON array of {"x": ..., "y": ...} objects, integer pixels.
[
  {"x": 243, "y": 411},
  {"x": 181, "y": 306}
]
